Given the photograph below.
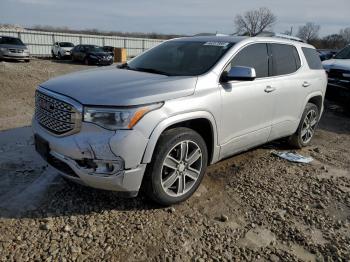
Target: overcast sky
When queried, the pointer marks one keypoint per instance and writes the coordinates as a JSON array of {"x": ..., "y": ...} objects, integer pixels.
[{"x": 172, "y": 16}]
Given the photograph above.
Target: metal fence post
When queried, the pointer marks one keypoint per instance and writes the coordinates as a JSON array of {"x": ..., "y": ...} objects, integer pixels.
[
  {"x": 124, "y": 42},
  {"x": 53, "y": 39},
  {"x": 103, "y": 41},
  {"x": 80, "y": 40},
  {"x": 143, "y": 45}
]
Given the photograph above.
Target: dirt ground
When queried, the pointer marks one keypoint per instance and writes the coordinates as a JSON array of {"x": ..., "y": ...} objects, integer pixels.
[{"x": 251, "y": 207}]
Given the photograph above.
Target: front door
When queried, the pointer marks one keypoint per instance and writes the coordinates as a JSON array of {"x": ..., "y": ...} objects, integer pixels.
[{"x": 247, "y": 106}]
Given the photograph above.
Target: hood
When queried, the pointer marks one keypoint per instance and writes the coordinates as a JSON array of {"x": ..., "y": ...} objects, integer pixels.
[
  {"x": 120, "y": 87},
  {"x": 343, "y": 64},
  {"x": 23, "y": 47},
  {"x": 99, "y": 53},
  {"x": 67, "y": 48}
]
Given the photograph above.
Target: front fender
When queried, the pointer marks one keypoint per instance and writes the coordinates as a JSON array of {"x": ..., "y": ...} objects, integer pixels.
[{"x": 178, "y": 119}]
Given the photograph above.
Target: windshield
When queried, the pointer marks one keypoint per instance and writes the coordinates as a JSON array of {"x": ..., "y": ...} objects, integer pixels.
[
  {"x": 11, "y": 41},
  {"x": 181, "y": 58},
  {"x": 343, "y": 54},
  {"x": 94, "y": 48},
  {"x": 66, "y": 44}
]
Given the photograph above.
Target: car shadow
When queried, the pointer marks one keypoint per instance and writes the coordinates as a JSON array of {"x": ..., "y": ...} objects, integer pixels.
[{"x": 29, "y": 188}]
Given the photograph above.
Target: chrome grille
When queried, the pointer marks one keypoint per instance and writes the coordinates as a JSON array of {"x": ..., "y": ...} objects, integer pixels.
[
  {"x": 55, "y": 115},
  {"x": 12, "y": 50}
]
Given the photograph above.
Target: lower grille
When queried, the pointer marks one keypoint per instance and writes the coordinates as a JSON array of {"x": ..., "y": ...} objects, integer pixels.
[
  {"x": 61, "y": 166},
  {"x": 55, "y": 115}
]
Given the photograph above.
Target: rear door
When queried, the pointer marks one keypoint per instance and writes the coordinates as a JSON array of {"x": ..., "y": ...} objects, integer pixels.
[{"x": 291, "y": 88}]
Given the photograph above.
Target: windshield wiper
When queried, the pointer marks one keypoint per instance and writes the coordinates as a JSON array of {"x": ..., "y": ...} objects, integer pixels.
[{"x": 151, "y": 70}]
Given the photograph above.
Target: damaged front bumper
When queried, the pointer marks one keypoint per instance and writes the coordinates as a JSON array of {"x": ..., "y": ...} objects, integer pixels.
[{"x": 97, "y": 157}]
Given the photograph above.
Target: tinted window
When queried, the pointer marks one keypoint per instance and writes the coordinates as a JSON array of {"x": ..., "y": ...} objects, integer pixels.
[
  {"x": 285, "y": 59},
  {"x": 66, "y": 44},
  {"x": 10, "y": 41},
  {"x": 344, "y": 54},
  {"x": 255, "y": 56},
  {"x": 186, "y": 58},
  {"x": 312, "y": 58}
]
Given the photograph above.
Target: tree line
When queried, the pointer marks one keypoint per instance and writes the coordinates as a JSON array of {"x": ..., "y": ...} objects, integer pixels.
[{"x": 255, "y": 22}]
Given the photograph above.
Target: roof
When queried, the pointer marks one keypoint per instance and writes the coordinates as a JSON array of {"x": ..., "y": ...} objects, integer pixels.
[{"x": 213, "y": 38}]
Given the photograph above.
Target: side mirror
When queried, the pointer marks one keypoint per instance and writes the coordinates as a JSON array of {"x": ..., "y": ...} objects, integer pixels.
[{"x": 241, "y": 73}]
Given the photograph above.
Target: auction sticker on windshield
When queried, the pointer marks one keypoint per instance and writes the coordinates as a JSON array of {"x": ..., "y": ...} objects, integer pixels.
[{"x": 223, "y": 44}]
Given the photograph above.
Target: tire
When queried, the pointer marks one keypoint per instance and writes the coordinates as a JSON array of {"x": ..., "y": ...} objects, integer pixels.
[
  {"x": 308, "y": 124},
  {"x": 86, "y": 61},
  {"x": 171, "y": 185},
  {"x": 26, "y": 60},
  {"x": 53, "y": 55},
  {"x": 59, "y": 56}
]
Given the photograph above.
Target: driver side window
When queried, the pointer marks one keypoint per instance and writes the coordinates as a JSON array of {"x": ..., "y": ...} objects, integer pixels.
[{"x": 255, "y": 56}]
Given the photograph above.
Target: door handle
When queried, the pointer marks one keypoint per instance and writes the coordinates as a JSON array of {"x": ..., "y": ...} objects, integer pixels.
[
  {"x": 269, "y": 89},
  {"x": 306, "y": 84}
]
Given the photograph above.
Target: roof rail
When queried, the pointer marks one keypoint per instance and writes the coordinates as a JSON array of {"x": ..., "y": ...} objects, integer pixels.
[
  {"x": 210, "y": 34},
  {"x": 284, "y": 36}
]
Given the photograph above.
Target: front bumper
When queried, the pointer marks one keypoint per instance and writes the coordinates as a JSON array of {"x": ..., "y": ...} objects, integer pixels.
[
  {"x": 123, "y": 150},
  {"x": 101, "y": 61}
]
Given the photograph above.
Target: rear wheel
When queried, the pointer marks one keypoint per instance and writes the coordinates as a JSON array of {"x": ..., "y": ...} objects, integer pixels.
[
  {"x": 59, "y": 56},
  {"x": 307, "y": 126},
  {"x": 178, "y": 166}
]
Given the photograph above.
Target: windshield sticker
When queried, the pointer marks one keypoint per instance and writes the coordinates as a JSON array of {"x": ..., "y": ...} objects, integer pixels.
[{"x": 223, "y": 44}]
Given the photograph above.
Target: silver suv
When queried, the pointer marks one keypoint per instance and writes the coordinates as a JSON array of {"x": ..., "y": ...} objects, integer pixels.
[{"x": 156, "y": 122}]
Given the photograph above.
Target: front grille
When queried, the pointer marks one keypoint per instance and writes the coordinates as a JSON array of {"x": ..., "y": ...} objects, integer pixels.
[
  {"x": 13, "y": 50},
  {"x": 338, "y": 73},
  {"x": 55, "y": 115}
]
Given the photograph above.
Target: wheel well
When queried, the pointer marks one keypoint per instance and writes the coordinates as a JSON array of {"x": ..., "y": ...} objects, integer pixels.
[
  {"x": 317, "y": 100},
  {"x": 203, "y": 127}
]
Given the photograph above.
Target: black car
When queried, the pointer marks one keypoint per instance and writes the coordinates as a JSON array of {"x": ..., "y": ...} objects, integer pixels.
[
  {"x": 91, "y": 55},
  {"x": 326, "y": 54},
  {"x": 109, "y": 49}
]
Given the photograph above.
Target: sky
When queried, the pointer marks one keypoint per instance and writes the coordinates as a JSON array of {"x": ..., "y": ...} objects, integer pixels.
[{"x": 172, "y": 16}]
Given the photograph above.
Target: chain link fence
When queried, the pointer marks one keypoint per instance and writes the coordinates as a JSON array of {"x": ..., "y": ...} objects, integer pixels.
[{"x": 39, "y": 43}]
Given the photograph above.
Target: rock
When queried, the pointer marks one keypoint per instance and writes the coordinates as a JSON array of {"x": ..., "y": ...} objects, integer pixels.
[
  {"x": 223, "y": 218},
  {"x": 46, "y": 226},
  {"x": 171, "y": 210},
  {"x": 67, "y": 228}
]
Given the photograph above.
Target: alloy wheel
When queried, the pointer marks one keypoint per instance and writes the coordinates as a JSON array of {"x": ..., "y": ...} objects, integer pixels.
[
  {"x": 308, "y": 128},
  {"x": 181, "y": 168}
]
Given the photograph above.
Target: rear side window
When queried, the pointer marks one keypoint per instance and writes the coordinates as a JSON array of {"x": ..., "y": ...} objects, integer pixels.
[
  {"x": 255, "y": 56},
  {"x": 312, "y": 58},
  {"x": 285, "y": 59}
]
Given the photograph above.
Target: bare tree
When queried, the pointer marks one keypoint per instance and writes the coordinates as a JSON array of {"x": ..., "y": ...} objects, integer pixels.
[
  {"x": 254, "y": 22},
  {"x": 345, "y": 33},
  {"x": 308, "y": 32}
]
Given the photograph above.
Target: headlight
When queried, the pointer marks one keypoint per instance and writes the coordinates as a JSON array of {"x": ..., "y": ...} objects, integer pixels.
[
  {"x": 109, "y": 57},
  {"x": 117, "y": 118},
  {"x": 3, "y": 49}
]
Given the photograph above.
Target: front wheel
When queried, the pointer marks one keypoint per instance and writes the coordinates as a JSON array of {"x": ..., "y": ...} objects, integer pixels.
[
  {"x": 86, "y": 61},
  {"x": 178, "y": 166},
  {"x": 307, "y": 126}
]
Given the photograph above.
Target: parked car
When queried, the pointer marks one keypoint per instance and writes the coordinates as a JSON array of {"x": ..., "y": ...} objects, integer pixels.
[
  {"x": 91, "y": 54},
  {"x": 109, "y": 49},
  {"x": 13, "y": 48},
  {"x": 338, "y": 69},
  {"x": 326, "y": 54},
  {"x": 161, "y": 118},
  {"x": 61, "y": 49}
]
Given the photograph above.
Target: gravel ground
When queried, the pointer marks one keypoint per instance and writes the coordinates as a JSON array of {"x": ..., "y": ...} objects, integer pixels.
[{"x": 251, "y": 207}]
